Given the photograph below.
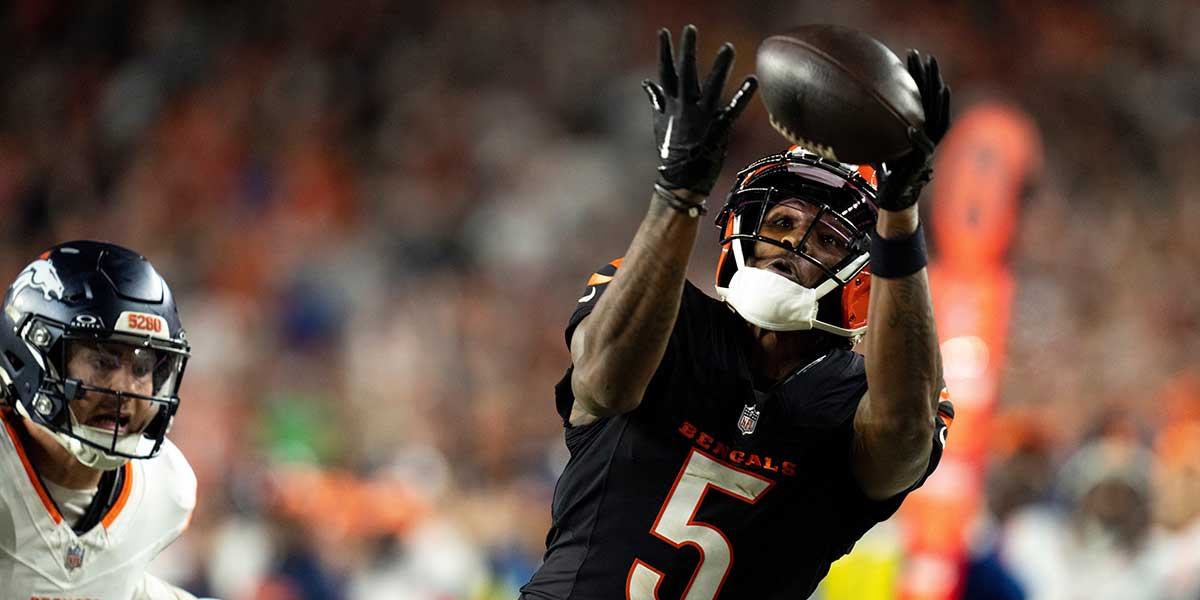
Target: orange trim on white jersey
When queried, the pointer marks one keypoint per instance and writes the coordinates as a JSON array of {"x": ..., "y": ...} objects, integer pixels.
[
  {"x": 120, "y": 503},
  {"x": 33, "y": 478}
]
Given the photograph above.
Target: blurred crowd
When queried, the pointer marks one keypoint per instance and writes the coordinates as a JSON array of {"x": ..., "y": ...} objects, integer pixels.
[{"x": 377, "y": 217}]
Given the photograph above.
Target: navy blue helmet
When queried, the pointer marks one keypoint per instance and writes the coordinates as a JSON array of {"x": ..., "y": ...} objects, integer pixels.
[{"x": 98, "y": 294}]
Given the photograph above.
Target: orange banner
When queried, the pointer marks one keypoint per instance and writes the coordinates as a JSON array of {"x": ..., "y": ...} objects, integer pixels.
[{"x": 982, "y": 170}]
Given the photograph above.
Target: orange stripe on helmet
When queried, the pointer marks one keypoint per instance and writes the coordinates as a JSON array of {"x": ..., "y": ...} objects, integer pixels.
[
  {"x": 725, "y": 248},
  {"x": 867, "y": 172}
]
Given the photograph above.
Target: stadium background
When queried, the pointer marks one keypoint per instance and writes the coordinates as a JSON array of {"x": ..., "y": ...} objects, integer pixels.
[{"x": 377, "y": 217}]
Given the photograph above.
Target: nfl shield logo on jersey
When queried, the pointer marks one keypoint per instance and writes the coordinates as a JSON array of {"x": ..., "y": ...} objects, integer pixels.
[
  {"x": 749, "y": 419},
  {"x": 74, "y": 557}
]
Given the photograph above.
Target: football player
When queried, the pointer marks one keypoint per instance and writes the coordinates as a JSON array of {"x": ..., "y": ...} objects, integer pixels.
[
  {"x": 735, "y": 447},
  {"x": 92, "y": 353}
]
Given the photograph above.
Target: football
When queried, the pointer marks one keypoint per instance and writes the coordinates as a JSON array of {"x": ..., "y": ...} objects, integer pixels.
[{"x": 839, "y": 92}]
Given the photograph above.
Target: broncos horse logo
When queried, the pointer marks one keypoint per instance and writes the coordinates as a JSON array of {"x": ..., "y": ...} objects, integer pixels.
[{"x": 40, "y": 274}]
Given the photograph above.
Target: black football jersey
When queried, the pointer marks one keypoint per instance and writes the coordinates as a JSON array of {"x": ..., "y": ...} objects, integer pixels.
[{"x": 710, "y": 488}]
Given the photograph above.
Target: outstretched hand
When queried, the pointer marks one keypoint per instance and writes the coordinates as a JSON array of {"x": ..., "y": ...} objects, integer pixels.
[
  {"x": 903, "y": 179},
  {"x": 691, "y": 126}
]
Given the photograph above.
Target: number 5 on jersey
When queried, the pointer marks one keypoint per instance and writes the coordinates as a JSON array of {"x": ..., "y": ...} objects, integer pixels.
[{"x": 677, "y": 526}]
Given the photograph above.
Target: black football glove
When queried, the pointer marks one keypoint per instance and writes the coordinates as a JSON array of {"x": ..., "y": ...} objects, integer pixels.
[
  {"x": 690, "y": 125},
  {"x": 902, "y": 179}
]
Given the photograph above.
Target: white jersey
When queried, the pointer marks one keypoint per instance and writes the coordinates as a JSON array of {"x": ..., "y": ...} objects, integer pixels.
[{"x": 41, "y": 557}]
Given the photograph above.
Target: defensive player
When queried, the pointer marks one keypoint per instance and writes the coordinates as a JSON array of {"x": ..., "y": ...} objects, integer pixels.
[
  {"x": 92, "y": 353},
  {"x": 734, "y": 448}
]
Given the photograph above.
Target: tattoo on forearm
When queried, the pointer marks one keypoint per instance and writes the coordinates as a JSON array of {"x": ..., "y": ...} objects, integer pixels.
[{"x": 911, "y": 318}]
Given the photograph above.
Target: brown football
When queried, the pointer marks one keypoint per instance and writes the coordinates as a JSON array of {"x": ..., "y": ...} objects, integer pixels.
[{"x": 839, "y": 92}]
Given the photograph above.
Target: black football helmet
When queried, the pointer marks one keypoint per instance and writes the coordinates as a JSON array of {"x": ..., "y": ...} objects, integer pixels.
[
  {"x": 842, "y": 198},
  {"x": 92, "y": 293}
]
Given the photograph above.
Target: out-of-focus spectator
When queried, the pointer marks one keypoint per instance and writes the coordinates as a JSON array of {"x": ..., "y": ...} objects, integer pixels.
[
  {"x": 1099, "y": 543},
  {"x": 1020, "y": 478}
]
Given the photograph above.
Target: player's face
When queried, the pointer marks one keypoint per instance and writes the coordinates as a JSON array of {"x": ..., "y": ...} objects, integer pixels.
[
  {"x": 788, "y": 222},
  {"x": 118, "y": 367}
]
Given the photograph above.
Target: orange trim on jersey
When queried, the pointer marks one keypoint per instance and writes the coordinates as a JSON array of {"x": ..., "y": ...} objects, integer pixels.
[
  {"x": 33, "y": 478},
  {"x": 44, "y": 255},
  {"x": 120, "y": 503},
  {"x": 947, "y": 419},
  {"x": 598, "y": 279},
  {"x": 946, "y": 416}
]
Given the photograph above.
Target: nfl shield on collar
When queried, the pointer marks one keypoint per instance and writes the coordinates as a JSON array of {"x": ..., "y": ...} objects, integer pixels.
[{"x": 74, "y": 558}]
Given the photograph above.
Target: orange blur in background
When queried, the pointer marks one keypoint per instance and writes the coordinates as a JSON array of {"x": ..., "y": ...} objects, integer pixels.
[{"x": 377, "y": 216}]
